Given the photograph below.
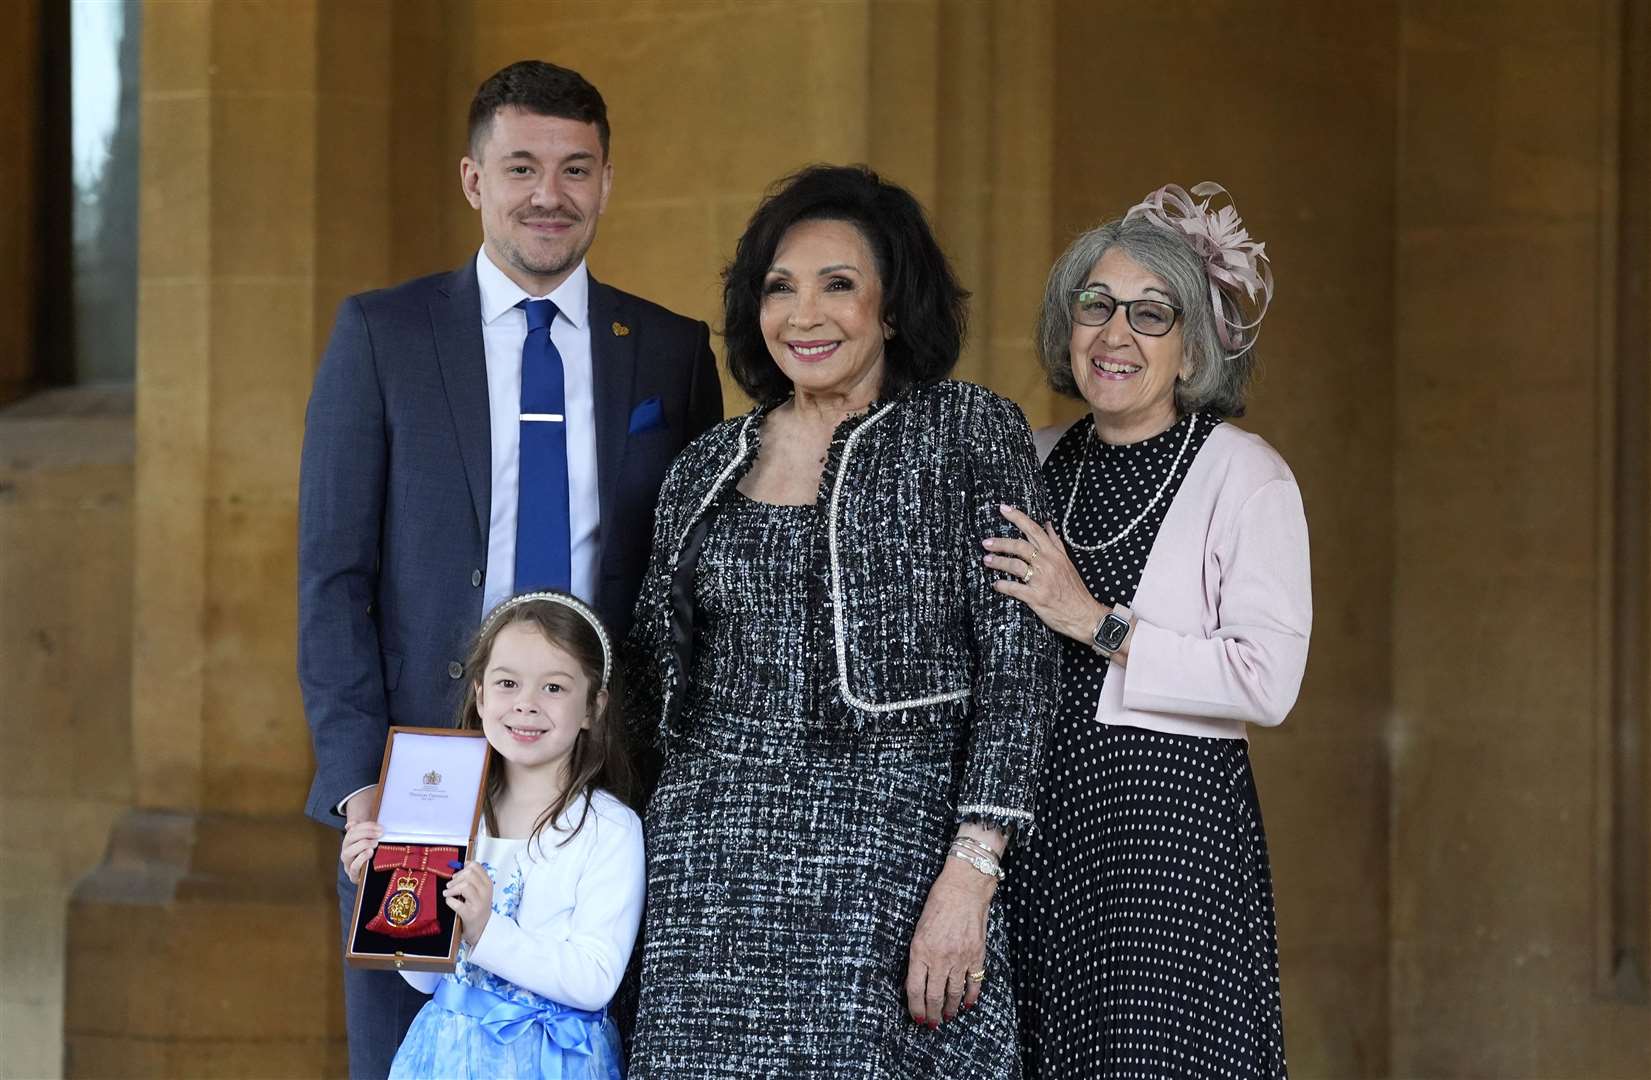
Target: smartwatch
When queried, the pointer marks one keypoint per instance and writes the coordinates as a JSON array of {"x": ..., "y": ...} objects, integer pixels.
[{"x": 1111, "y": 631}]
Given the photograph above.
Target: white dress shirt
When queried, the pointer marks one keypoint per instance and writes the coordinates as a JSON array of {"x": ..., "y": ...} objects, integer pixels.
[{"x": 504, "y": 331}]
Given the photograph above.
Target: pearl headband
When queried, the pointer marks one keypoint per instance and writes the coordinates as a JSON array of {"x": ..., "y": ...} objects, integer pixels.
[{"x": 575, "y": 605}]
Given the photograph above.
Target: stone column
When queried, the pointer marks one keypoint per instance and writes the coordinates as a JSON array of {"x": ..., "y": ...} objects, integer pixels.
[
  {"x": 962, "y": 111},
  {"x": 1521, "y": 188},
  {"x": 207, "y": 942}
]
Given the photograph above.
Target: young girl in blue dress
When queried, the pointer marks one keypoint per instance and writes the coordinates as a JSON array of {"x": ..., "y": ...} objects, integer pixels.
[{"x": 551, "y": 902}]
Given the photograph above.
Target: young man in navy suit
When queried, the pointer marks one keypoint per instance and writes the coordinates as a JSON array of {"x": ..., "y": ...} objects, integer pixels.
[{"x": 472, "y": 434}]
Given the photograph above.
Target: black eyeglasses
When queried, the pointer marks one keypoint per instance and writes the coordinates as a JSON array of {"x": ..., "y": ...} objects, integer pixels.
[{"x": 1154, "y": 318}]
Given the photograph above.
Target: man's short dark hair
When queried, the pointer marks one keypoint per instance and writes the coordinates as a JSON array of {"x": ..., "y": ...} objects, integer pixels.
[
  {"x": 540, "y": 88},
  {"x": 922, "y": 299}
]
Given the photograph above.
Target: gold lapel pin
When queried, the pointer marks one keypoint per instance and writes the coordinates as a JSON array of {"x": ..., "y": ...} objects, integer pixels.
[{"x": 620, "y": 329}]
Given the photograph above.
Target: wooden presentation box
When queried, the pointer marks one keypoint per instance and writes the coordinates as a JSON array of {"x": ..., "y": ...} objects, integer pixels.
[{"x": 430, "y": 790}]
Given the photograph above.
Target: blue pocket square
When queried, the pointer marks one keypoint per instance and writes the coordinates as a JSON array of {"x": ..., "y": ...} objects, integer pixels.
[{"x": 647, "y": 416}]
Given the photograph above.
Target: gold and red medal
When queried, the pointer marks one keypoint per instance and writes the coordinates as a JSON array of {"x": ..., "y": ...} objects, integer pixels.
[{"x": 409, "y": 908}]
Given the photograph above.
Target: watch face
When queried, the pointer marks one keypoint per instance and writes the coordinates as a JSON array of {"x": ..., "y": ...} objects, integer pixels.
[{"x": 1112, "y": 633}]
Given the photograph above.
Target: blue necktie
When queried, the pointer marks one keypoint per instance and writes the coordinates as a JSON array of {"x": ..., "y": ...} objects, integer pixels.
[{"x": 543, "y": 548}]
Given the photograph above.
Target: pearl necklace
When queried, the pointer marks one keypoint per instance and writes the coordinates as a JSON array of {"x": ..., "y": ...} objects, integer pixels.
[{"x": 1077, "y": 482}]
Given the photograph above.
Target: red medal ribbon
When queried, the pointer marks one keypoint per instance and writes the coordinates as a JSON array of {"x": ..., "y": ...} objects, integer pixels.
[{"x": 408, "y": 909}]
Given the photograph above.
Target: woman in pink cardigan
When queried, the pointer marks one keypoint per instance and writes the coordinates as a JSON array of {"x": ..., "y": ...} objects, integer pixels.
[{"x": 1176, "y": 572}]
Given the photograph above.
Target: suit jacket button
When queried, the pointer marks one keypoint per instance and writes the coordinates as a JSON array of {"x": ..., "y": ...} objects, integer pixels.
[
  {"x": 455, "y": 670},
  {"x": 475, "y": 579}
]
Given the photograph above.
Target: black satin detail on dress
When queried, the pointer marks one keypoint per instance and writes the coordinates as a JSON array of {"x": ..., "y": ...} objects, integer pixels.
[{"x": 683, "y": 611}]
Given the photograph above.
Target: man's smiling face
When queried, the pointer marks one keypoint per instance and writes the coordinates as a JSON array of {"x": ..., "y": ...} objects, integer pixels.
[{"x": 541, "y": 183}]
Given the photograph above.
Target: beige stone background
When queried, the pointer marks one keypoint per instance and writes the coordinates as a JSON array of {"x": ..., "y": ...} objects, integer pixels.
[{"x": 1454, "y": 196}]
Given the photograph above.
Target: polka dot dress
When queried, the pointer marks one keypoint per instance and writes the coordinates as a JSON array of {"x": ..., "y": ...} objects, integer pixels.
[{"x": 1141, "y": 909}]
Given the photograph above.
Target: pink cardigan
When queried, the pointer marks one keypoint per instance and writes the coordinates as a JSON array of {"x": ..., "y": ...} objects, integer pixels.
[{"x": 1225, "y": 605}]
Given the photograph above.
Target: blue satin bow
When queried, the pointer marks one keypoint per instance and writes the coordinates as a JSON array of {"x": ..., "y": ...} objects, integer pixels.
[{"x": 564, "y": 1032}]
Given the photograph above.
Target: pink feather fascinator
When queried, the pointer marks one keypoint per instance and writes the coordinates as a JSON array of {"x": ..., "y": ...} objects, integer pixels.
[{"x": 1240, "y": 274}]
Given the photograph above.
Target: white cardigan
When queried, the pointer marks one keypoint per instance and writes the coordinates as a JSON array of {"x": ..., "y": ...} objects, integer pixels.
[
  {"x": 580, "y": 908},
  {"x": 1224, "y": 608}
]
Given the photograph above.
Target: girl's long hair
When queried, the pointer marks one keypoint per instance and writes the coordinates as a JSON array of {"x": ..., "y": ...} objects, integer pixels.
[{"x": 598, "y": 759}]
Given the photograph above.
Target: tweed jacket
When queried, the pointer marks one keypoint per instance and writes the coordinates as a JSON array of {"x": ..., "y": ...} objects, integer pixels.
[{"x": 916, "y": 643}]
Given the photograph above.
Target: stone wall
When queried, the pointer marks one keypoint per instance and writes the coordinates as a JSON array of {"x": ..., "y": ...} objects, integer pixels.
[
  {"x": 1441, "y": 189},
  {"x": 65, "y": 669},
  {"x": 1509, "y": 190}
]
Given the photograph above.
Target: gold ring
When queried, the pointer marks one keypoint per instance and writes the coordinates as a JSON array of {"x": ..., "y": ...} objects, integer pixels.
[
  {"x": 1026, "y": 578},
  {"x": 976, "y": 976}
]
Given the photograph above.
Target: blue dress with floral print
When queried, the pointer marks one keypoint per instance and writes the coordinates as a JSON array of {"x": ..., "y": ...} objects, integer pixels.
[{"x": 526, "y": 1035}]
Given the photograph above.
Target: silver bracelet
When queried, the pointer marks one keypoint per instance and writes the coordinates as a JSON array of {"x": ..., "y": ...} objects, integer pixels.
[
  {"x": 985, "y": 866},
  {"x": 971, "y": 844}
]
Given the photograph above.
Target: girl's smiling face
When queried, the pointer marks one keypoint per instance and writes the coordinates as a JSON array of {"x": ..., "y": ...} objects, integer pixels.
[{"x": 534, "y": 699}]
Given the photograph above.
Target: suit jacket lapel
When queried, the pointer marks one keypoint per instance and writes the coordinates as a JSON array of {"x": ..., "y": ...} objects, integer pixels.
[
  {"x": 456, "y": 319},
  {"x": 613, "y": 364}
]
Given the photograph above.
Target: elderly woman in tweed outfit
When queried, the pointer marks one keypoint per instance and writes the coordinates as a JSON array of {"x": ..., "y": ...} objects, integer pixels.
[{"x": 850, "y": 715}]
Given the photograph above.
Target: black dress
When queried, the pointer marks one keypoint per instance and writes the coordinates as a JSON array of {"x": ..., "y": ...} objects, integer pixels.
[
  {"x": 835, "y": 689},
  {"x": 788, "y": 859},
  {"x": 1141, "y": 909}
]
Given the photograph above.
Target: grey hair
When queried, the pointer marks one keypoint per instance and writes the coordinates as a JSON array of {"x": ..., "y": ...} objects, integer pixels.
[{"x": 1218, "y": 381}]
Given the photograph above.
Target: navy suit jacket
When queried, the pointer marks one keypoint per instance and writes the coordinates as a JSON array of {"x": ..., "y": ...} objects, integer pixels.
[{"x": 394, "y": 499}]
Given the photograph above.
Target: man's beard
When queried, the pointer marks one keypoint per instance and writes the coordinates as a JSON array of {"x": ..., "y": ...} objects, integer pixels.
[
  {"x": 546, "y": 269},
  {"x": 557, "y": 264}
]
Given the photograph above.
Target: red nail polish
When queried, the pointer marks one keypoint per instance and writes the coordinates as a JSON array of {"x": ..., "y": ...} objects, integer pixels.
[
  {"x": 951, "y": 1016},
  {"x": 934, "y": 1025},
  {"x": 919, "y": 1021}
]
